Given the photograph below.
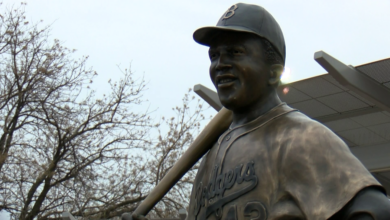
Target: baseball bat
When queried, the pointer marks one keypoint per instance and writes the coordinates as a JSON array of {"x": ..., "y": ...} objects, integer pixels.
[{"x": 205, "y": 140}]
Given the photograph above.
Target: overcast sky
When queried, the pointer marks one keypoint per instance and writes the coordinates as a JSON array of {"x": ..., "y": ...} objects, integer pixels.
[{"x": 156, "y": 37}]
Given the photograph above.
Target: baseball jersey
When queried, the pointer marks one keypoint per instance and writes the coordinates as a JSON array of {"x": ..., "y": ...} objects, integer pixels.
[{"x": 282, "y": 165}]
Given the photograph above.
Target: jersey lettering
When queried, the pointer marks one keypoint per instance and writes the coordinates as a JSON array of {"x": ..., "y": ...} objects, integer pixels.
[
  {"x": 255, "y": 211},
  {"x": 232, "y": 213},
  {"x": 213, "y": 193}
]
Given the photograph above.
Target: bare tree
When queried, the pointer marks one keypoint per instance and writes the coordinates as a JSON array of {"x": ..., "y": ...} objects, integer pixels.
[
  {"x": 62, "y": 148},
  {"x": 169, "y": 148}
]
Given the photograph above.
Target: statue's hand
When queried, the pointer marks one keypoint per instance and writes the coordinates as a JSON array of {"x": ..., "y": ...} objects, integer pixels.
[{"x": 129, "y": 216}]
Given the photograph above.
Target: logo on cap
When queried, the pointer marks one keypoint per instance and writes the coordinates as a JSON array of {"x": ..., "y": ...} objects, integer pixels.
[{"x": 230, "y": 12}]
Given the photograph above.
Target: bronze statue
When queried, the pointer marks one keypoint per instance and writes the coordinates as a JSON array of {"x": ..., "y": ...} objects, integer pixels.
[{"x": 273, "y": 162}]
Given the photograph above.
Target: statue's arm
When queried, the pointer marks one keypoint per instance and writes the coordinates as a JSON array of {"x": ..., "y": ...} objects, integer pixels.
[
  {"x": 324, "y": 177},
  {"x": 369, "y": 204}
]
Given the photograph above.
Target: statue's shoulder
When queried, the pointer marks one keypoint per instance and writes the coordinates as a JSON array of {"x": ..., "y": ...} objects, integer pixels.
[
  {"x": 296, "y": 121},
  {"x": 300, "y": 129},
  {"x": 283, "y": 122}
]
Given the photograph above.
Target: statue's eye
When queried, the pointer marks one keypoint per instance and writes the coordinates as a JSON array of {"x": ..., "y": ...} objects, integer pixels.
[
  {"x": 237, "y": 52},
  {"x": 213, "y": 55}
]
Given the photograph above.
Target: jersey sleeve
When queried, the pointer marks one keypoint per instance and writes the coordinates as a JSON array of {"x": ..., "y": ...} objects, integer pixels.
[{"x": 319, "y": 171}]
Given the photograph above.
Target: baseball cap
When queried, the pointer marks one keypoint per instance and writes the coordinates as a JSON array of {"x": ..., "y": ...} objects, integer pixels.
[{"x": 246, "y": 18}]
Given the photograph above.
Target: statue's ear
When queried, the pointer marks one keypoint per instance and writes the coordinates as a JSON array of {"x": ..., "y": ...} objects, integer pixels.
[{"x": 276, "y": 73}]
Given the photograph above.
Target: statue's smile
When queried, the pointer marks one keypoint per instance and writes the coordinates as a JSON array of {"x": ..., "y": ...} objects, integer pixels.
[{"x": 225, "y": 80}]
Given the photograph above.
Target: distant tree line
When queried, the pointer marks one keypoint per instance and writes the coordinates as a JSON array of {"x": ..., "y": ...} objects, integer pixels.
[{"x": 63, "y": 148}]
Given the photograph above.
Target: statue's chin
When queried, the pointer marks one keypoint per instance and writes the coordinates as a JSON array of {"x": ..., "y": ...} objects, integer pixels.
[
  {"x": 230, "y": 104},
  {"x": 232, "y": 100}
]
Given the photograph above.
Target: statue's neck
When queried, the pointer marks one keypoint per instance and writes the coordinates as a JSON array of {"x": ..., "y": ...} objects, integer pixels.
[{"x": 255, "y": 110}]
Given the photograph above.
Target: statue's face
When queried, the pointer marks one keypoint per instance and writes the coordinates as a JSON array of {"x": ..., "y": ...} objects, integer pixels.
[{"x": 238, "y": 70}]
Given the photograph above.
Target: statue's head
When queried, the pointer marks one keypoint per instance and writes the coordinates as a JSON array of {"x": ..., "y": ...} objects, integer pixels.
[{"x": 247, "y": 54}]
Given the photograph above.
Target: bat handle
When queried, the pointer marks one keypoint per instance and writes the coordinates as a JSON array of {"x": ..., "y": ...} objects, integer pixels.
[{"x": 205, "y": 140}]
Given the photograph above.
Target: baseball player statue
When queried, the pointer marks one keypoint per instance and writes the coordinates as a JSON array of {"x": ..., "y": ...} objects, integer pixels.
[{"x": 273, "y": 162}]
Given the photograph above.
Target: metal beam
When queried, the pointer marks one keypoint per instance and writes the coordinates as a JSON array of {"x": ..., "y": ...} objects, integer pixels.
[
  {"x": 355, "y": 80},
  {"x": 209, "y": 96},
  {"x": 374, "y": 158}
]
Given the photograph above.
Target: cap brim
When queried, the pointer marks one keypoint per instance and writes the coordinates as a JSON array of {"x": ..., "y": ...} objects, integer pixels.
[{"x": 204, "y": 35}]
